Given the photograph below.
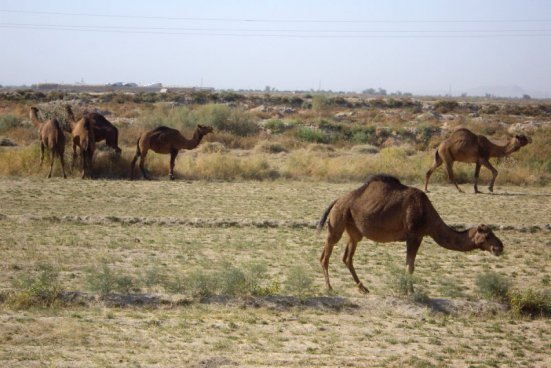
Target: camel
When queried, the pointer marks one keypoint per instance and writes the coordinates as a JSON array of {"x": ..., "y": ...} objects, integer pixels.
[
  {"x": 465, "y": 146},
  {"x": 385, "y": 210},
  {"x": 165, "y": 140},
  {"x": 51, "y": 137},
  {"x": 103, "y": 130},
  {"x": 84, "y": 138}
]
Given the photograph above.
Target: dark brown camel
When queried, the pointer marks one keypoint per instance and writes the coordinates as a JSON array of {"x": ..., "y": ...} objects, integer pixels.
[
  {"x": 384, "y": 210},
  {"x": 51, "y": 137},
  {"x": 165, "y": 140},
  {"x": 465, "y": 146},
  {"x": 103, "y": 129},
  {"x": 83, "y": 138}
]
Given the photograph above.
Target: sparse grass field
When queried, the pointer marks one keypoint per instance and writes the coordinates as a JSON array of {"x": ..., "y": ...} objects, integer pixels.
[{"x": 161, "y": 239}]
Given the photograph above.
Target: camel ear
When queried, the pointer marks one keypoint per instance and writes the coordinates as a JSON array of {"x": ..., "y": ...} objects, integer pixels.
[{"x": 483, "y": 228}]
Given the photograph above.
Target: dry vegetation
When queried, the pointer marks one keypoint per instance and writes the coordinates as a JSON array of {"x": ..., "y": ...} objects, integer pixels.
[
  {"x": 264, "y": 137},
  {"x": 221, "y": 267},
  {"x": 152, "y": 276}
]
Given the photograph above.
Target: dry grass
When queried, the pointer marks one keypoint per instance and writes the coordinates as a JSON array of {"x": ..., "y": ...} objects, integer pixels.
[{"x": 161, "y": 230}]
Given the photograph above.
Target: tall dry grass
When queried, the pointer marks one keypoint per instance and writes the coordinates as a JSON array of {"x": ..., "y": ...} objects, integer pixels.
[{"x": 316, "y": 162}]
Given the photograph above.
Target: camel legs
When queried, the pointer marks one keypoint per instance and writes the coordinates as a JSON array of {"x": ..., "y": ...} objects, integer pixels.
[
  {"x": 173, "y": 155},
  {"x": 52, "y": 156},
  {"x": 355, "y": 236},
  {"x": 142, "y": 161},
  {"x": 84, "y": 163},
  {"x": 476, "y": 175},
  {"x": 333, "y": 236},
  {"x": 41, "y": 153},
  {"x": 451, "y": 177},
  {"x": 437, "y": 162},
  {"x": 489, "y": 166},
  {"x": 74, "y": 154},
  {"x": 133, "y": 165},
  {"x": 412, "y": 246},
  {"x": 62, "y": 159}
]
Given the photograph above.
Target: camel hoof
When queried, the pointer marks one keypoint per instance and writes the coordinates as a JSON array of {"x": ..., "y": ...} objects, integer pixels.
[
  {"x": 363, "y": 289},
  {"x": 171, "y": 177},
  {"x": 491, "y": 189}
]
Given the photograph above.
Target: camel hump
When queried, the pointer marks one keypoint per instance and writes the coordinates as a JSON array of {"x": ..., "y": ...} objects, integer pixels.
[
  {"x": 162, "y": 128},
  {"x": 384, "y": 178}
]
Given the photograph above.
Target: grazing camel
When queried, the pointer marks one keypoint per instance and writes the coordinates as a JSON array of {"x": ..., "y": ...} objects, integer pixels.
[
  {"x": 52, "y": 137},
  {"x": 84, "y": 138},
  {"x": 103, "y": 129},
  {"x": 465, "y": 146},
  {"x": 385, "y": 210},
  {"x": 165, "y": 140}
]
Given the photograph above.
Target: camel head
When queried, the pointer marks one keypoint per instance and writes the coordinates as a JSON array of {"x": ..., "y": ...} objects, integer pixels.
[
  {"x": 34, "y": 112},
  {"x": 69, "y": 112},
  {"x": 486, "y": 240},
  {"x": 204, "y": 130},
  {"x": 519, "y": 141}
]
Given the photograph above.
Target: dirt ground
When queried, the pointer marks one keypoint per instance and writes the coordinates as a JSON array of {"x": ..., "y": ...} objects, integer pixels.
[{"x": 180, "y": 227}]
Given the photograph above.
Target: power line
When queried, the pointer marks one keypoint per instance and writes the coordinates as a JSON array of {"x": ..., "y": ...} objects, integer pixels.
[
  {"x": 260, "y": 20},
  {"x": 255, "y": 33},
  {"x": 296, "y": 30}
]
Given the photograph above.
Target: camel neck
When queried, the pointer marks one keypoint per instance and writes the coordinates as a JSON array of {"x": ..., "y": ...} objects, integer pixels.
[
  {"x": 34, "y": 120},
  {"x": 497, "y": 150},
  {"x": 451, "y": 239},
  {"x": 193, "y": 142}
]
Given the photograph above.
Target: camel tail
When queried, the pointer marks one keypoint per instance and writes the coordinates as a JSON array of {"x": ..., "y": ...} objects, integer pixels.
[
  {"x": 325, "y": 215},
  {"x": 436, "y": 156},
  {"x": 138, "y": 152}
]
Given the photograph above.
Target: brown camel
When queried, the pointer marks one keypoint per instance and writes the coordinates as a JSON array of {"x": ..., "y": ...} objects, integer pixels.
[
  {"x": 385, "y": 210},
  {"x": 51, "y": 137},
  {"x": 465, "y": 146},
  {"x": 165, "y": 140},
  {"x": 103, "y": 129},
  {"x": 83, "y": 138}
]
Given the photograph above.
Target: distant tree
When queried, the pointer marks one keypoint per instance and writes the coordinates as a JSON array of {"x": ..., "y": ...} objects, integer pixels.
[
  {"x": 526, "y": 97},
  {"x": 369, "y": 91},
  {"x": 382, "y": 91}
]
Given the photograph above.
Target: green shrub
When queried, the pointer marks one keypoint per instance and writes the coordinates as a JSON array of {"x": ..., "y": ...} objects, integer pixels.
[
  {"x": 530, "y": 302},
  {"x": 9, "y": 121},
  {"x": 40, "y": 289},
  {"x": 312, "y": 135},
  {"x": 298, "y": 282},
  {"x": 364, "y": 134},
  {"x": 445, "y": 106},
  {"x": 201, "y": 284},
  {"x": 278, "y": 126},
  {"x": 320, "y": 103},
  {"x": 401, "y": 283},
  {"x": 153, "y": 277},
  {"x": 270, "y": 147},
  {"x": 492, "y": 285},
  {"x": 105, "y": 281},
  {"x": 223, "y": 118},
  {"x": 232, "y": 281},
  {"x": 424, "y": 132}
]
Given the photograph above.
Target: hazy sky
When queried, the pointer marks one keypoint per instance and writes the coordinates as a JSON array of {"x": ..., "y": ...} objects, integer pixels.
[{"x": 409, "y": 46}]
